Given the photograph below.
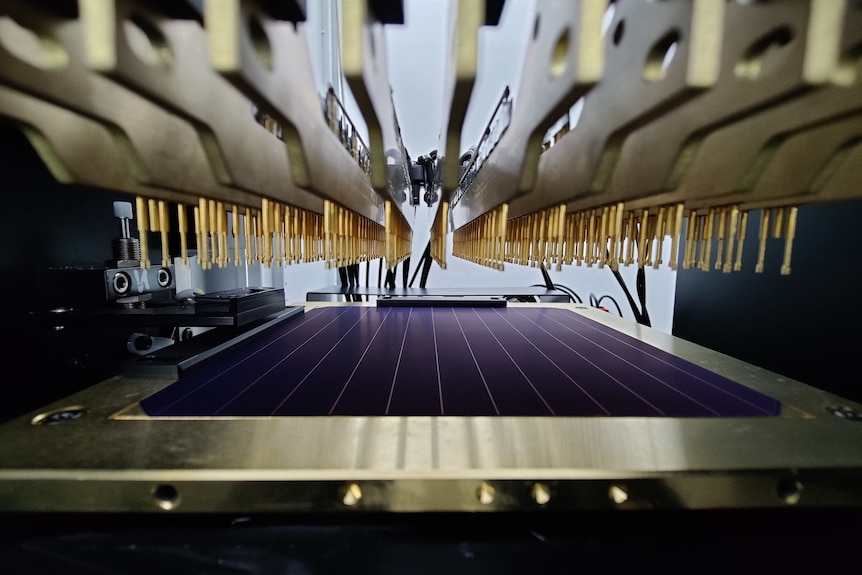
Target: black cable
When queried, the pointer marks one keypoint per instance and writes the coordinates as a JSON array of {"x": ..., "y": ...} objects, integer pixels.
[
  {"x": 570, "y": 291},
  {"x": 548, "y": 282},
  {"x": 423, "y": 265},
  {"x": 405, "y": 271},
  {"x": 367, "y": 273},
  {"x": 641, "y": 315},
  {"x": 628, "y": 294},
  {"x": 599, "y": 303},
  {"x": 342, "y": 274},
  {"x": 380, "y": 272},
  {"x": 426, "y": 268},
  {"x": 355, "y": 270},
  {"x": 641, "y": 289},
  {"x": 418, "y": 266}
]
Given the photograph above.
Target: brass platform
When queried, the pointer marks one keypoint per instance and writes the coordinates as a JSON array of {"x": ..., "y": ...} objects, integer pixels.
[{"x": 107, "y": 456}]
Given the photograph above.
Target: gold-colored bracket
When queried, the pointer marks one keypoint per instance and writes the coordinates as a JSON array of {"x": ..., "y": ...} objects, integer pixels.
[
  {"x": 771, "y": 52},
  {"x": 462, "y": 41},
  {"x": 165, "y": 61},
  {"x": 267, "y": 60},
  {"x": 677, "y": 47},
  {"x": 156, "y": 148},
  {"x": 564, "y": 59},
  {"x": 365, "y": 66}
]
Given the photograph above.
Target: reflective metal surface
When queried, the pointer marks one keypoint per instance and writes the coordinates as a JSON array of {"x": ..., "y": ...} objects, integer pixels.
[
  {"x": 109, "y": 456},
  {"x": 564, "y": 59}
]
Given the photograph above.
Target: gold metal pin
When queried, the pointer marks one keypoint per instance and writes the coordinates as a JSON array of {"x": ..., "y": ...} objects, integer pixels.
[
  {"x": 213, "y": 228},
  {"x": 182, "y": 224},
  {"x": 163, "y": 230},
  {"x": 690, "y": 240},
  {"x": 789, "y": 234},
  {"x": 710, "y": 229},
  {"x": 203, "y": 213},
  {"x": 740, "y": 240},
  {"x": 246, "y": 222},
  {"x": 722, "y": 225},
  {"x": 235, "y": 232},
  {"x": 764, "y": 233},
  {"x": 675, "y": 234},
  {"x": 731, "y": 236},
  {"x": 143, "y": 230}
]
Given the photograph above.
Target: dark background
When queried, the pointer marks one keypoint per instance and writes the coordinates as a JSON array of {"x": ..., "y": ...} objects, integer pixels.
[{"x": 804, "y": 326}]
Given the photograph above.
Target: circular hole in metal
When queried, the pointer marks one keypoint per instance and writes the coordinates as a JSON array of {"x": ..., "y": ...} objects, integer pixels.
[
  {"x": 31, "y": 46},
  {"x": 618, "y": 32},
  {"x": 122, "y": 283},
  {"x": 846, "y": 73},
  {"x": 751, "y": 64},
  {"x": 164, "y": 277},
  {"x": 541, "y": 493},
  {"x": 660, "y": 57},
  {"x": 62, "y": 415},
  {"x": 618, "y": 494},
  {"x": 486, "y": 493},
  {"x": 351, "y": 495},
  {"x": 560, "y": 56},
  {"x": 166, "y": 496},
  {"x": 260, "y": 42},
  {"x": 147, "y": 42},
  {"x": 789, "y": 490}
]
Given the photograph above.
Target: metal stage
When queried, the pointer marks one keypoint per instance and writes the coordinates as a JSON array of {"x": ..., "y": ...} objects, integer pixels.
[{"x": 631, "y": 418}]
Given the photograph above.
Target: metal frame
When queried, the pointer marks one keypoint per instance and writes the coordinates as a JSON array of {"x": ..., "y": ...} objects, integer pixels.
[{"x": 104, "y": 454}]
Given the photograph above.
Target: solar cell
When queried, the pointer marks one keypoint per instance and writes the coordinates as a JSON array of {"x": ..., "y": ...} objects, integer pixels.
[{"x": 452, "y": 361}]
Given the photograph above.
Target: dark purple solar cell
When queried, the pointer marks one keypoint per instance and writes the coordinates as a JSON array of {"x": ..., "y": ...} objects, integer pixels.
[{"x": 452, "y": 361}]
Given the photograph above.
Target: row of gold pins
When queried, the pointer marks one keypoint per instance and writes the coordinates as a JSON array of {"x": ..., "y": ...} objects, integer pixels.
[
  {"x": 399, "y": 236},
  {"x": 483, "y": 240},
  {"x": 610, "y": 235},
  {"x": 727, "y": 225},
  {"x": 350, "y": 238},
  {"x": 438, "y": 235},
  {"x": 537, "y": 238},
  {"x": 275, "y": 233}
]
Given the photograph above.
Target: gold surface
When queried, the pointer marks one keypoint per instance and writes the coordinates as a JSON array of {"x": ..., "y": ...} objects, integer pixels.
[
  {"x": 462, "y": 45},
  {"x": 704, "y": 106},
  {"x": 564, "y": 59}
]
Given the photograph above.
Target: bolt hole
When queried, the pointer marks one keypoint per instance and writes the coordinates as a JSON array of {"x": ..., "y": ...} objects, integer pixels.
[
  {"x": 352, "y": 494},
  {"x": 166, "y": 496},
  {"x": 541, "y": 493},
  {"x": 618, "y": 32},
  {"x": 486, "y": 493},
  {"x": 260, "y": 42},
  {"x": 147, "y": 42},
  {"x": 122, "y": 283},
  {"x": 789, "y": 490},
  {"x": 164, "y": 277},
  {"x": 618, "y": 494},
  {"x": 660, "y": 57},
  {"x": 845, "y": 74},
  {"x": 30, "y": 46},
  {"x": 751, "y": 64},
  {"x": 57, "y": 416}
]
